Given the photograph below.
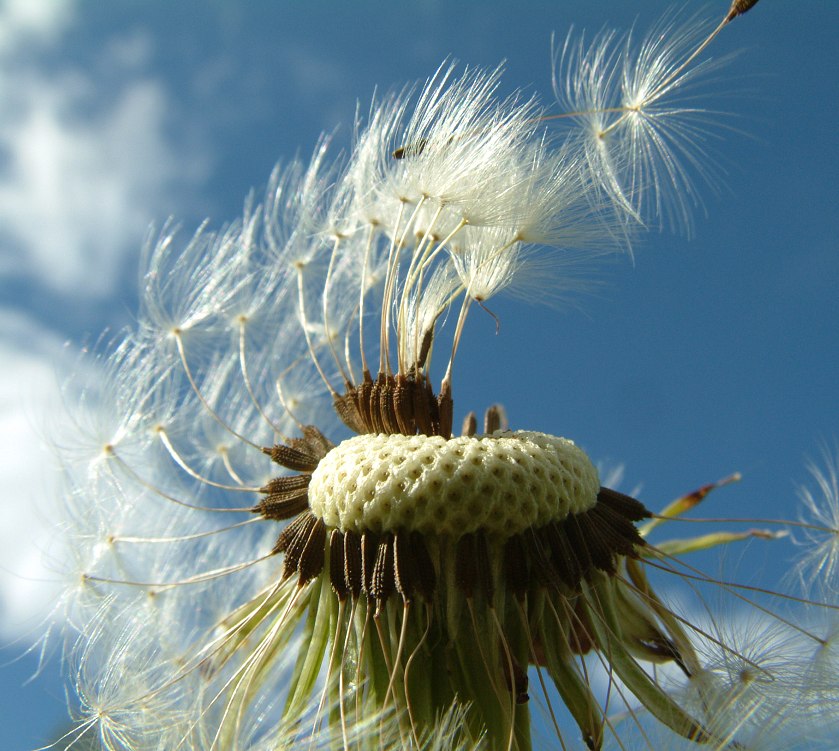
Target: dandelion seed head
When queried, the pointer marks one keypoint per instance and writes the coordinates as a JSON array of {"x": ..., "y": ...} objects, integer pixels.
[{"x": 242, "y": 574}]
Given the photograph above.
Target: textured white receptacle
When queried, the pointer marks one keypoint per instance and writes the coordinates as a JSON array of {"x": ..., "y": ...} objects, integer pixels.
[{"x": 502, "y": 483}]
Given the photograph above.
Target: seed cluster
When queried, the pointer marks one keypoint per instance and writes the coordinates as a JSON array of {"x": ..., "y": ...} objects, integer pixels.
[{"x": 404, "y": 403}]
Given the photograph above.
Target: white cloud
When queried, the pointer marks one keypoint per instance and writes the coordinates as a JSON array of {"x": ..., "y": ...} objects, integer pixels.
[
  {"x": 85, "y": 166},
  {"x": 25, "y": 21},
  {"x": 77, "y": 195},
  {"x": 86, "y": 163},
  {"x": 32, "y": 359}
]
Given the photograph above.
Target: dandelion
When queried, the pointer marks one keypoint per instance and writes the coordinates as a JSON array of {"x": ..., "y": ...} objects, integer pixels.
[{"x": 248, "y": 577}]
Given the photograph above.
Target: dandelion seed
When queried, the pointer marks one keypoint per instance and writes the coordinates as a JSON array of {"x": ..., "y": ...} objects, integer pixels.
[
  {"x": 642, "y": 129},
  {"x": 818, "y": 565},
  {"x": 254, "y": 578}
]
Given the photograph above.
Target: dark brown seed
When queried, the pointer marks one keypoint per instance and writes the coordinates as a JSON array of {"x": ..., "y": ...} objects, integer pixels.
[
  {"x": 376, "y": 420},
  {"x": 597, "y": 544},
  {"x": 433, "y": 408},
  {"x": 352, "y": 562},
  {"x": 425, "y": 348},
  {"x": 470, "y": 425},
  {"x": 365, "y": 389},
  {"x": 411, "y": 149},
  {"x": 494, "y": 419},
  {"x": 625, "y": 505},
  {"x": 312, "y": 557},
  {"x": 564, "y": 557},
  {"x": 369, "y": 549},
  {"x": 290, "y": 458},
  {"x": 336, "y": 565},
  {"x": 290, "y": 532},
  {"x": 620, "y": 533},
  {"x": 739, "y": 7},
  {"x": 404, "y": 567},
  {"x": 403, "y": 405},
  {"x": 281, "y": 488},
  {"x": 383, "y": 580},
  {"x": 445, "y": 408},
  {"x": 422, "y": 409},
  {"x": 318, "y": 444},
  {"x": 578, "y": 543},
  {"x": 346, "y": 407},
  {"x": 283, "y": 508},
  {"x": 385, "y": 405},
  {"x": 297, "y": 544}
]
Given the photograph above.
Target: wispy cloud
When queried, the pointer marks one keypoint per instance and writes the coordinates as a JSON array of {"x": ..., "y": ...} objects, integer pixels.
[
  {"x": 34, "y": 360},
  {"x": 87, "y": 161},
  {"x": 25, "y": 21},
  {"x": 85, "y": 165}
]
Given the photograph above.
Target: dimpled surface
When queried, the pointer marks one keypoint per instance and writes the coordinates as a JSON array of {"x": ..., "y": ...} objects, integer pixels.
[{"x": 502, "y": 483}]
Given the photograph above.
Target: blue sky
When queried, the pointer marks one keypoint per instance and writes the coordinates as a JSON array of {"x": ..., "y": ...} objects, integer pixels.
[{"x": 699, "y": 357}]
